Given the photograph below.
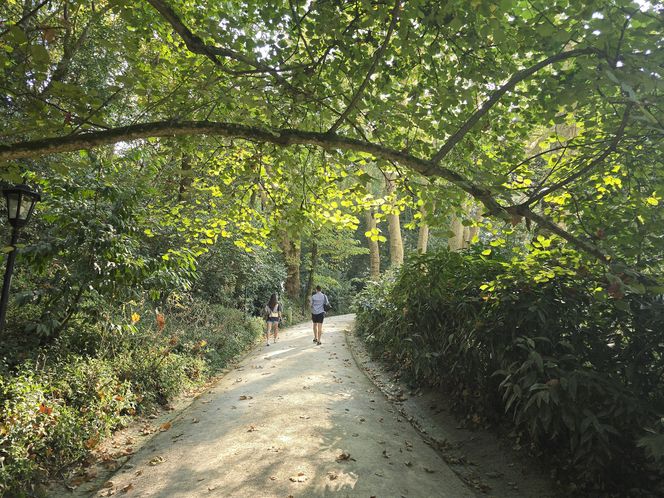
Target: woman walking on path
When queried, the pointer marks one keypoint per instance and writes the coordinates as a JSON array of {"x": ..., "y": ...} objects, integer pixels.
[
  {"x": 319, "y": 304},
  {"x": 272, "y": 318}
]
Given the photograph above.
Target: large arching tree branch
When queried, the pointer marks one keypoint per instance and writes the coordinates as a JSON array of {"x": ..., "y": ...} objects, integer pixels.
[
  {"x": 213, "y": 52},
  {"x": 525, "y": 212},
  {"x": 284, "y": 138},
  {"x": 378, "y": 55},
  {"x": 498, "y": 93},
  {"x": 196, "y": 45}
]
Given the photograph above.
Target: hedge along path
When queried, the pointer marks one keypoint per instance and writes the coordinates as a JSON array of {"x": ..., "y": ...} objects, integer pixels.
[{"x": 292, "y": 419}]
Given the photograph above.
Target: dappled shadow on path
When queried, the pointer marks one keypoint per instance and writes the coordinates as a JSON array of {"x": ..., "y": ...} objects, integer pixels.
[{"x": 293, "y": 419}]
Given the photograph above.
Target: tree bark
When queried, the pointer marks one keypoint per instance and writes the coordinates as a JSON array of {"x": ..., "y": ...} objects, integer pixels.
[
  {"x": 394, "y": 229},
  {"x": 374, "y": 252},
  {"x": 423, "y": 235},
  {"x": 313, "y": 265},
  {"x": 185, "y": 178},
  {"x": 455, "y": 243},
  {"x": 291, "y": 250}
]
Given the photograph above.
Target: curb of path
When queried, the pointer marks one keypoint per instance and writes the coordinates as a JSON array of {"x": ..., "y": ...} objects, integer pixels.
[{"x": 510, "y": 479}]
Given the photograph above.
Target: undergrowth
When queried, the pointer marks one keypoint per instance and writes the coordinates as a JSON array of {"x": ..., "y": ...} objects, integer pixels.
[{"x": 570, "y": 358}]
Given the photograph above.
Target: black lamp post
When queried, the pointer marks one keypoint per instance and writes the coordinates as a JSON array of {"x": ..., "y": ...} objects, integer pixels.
[{"x": 20, "y": 204}]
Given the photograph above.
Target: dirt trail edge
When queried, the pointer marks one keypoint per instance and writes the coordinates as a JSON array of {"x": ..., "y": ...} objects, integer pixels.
[{"x": 293, "y": 419}]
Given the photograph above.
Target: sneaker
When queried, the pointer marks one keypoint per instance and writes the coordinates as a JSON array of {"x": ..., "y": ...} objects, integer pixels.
[
  {"x": 315, "y": 340},
  {"x": 268, "y": 344},
  {"x": 319, "y": 343}
]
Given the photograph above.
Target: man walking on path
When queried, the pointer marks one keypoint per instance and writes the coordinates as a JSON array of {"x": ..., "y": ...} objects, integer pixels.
[{"x": 319, "y": 303}]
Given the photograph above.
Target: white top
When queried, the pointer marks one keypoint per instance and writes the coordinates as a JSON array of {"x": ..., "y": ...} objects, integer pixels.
[{"x": 317, "y": 301}]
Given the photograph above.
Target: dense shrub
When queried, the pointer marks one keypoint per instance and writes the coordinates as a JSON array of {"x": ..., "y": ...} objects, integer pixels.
[
  {"x": 92, "y": 380},
  {"x": 573, "y": 360}
]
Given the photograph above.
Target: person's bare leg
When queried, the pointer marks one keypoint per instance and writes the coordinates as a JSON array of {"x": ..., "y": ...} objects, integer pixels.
[
  {"x": 267, "y": 333},
  {"x": 275, "y": 330},
  {"x": 319, "y": 329},
  {"x": 315, "y": 340}
]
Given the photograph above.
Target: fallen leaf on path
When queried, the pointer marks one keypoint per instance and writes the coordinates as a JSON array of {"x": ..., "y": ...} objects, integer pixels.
[
  {"x": 128, "y": 488},
  {"x": 108, "y": 484},
  {"x": 138, "y": 473},
  {"x": 195, "y": 421},
  {"x": 157, "y": 460},
  {"x": 165, "y": 426},
  {"x": 273, "y": 478},
  {"x": 212, "y": 488},
  {"x": 147, "y": 430},
  {"x": 305, "y": 417},
  {"x": 300, "y": 477},
  {"x": 244, "y": 397},
  {"x": 343, "y": 456},
  {"x": 252, "y": 429}
]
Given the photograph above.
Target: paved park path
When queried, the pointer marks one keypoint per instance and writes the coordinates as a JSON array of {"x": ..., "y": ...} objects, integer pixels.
[{"x": 293, "y": 419}]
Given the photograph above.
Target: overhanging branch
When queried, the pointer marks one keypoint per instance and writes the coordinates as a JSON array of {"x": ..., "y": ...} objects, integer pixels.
[
  {"x": 377, "y": 57},
  {"x": 496, "y": 96},
  {"x": 283, "y": 138}
]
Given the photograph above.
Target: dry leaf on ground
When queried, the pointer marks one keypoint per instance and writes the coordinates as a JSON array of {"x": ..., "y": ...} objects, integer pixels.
[
  {"x": 300, "y": 477},
  {"x": 343, "y": 456},
  {"x": 243, "y": 397},
  {"x": 128, "y": 488},
  {"x": 157, "y": 460}
]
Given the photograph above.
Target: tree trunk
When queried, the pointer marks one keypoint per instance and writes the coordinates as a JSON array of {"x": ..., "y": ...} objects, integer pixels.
[
  {"x": 394, "y": 229},
  {"x": 291, "y": 249},
  {"x": 374, "y": 253},
  {"x": 185, "y": 178},
  {"x": 423, "y": 236},
  {"x": 312, "y": 271},
  {"x": 455, "y": 243}
]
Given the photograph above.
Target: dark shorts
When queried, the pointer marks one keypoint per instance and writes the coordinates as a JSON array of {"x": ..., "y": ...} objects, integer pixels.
[
  {"x": 273, "y": 319},
  {"x": 318, "y": 318}
]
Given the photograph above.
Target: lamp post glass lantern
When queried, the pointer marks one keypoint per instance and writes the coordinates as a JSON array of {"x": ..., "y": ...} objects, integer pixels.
[{"x": 21, "y": 202}]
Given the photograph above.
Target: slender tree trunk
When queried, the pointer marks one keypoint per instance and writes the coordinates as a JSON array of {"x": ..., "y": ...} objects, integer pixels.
[
  {"x": 374, "y": 253},
  {"x": 291, "y": 250},
  {"x": 423, "y": 236},
  {"x": 455, "y": 243},
  {"x": 185, "y": 178},
  {"x": 313, "y": 265},
  {"x": 394, "y": 230}
]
